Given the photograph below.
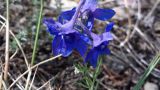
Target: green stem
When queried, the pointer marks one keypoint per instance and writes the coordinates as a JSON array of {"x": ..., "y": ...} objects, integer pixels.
[
  {"x": 147, "y": 72},
  {"x": 96, "y": 73},
  {"x": 37, "y": 34}
]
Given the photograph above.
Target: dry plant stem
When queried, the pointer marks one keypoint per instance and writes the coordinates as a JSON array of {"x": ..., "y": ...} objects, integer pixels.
[
  {"x": 3, "y": 25},
  {"x": 14, "y": 54},
  {"x": 140, "y": 61},
  {"x": 33, "y": 79},
  {"x": 28, "y": 78},
  {"x": 1, "y": 81},
  {"x": 126, "y": 60},
  {"x": 144, "y": 36},
  {"x": 4, "y": 85},
  {"x": 45, "y": 83},
  {"x": 105, "y": 2},
  {"x": 105, "y": 86},
  {"x": 7, "y": 42},
  {"x": 129, "y": 23},
  {"x": 2, "y": 17},
  {"x": 152, "y": 10},
  {"x": 129, "y": 16},
  {"x": 25, "y": 80},
  {"x": 1, "y": 75},
  {"x": 45, "y": 61},
  {"x": 20, "y": 47},
  {"x": 19, "y": 85},
  {"x": 50, "y": 88}
]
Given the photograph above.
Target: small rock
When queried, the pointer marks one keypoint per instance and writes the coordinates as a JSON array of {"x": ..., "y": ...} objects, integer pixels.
[
  {"x": 121, "y": 13},
  {"x": 16, "y": 7},
  {"x": 156, "y": 27},
  {"x": 150, "y": 86},
  {"x": 66, "y": 4}
]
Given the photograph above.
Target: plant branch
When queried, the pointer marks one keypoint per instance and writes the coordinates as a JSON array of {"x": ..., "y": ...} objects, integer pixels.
[
  {"x": 37, "y": 34},
  {"x": 7, "y": 41}
]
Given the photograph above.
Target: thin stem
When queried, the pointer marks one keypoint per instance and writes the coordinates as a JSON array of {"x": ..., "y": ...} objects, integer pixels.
[
  {"x": 37, "y": 34},
  {"x": 7, "y": 41},
  {"x": 75, "y": 16},
  {"x": 96, "y": 74},
  {"x": 147, "y": 72}
]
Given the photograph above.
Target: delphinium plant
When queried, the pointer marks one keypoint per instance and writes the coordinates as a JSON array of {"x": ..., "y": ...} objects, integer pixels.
[{"x": 73, "y": 30}]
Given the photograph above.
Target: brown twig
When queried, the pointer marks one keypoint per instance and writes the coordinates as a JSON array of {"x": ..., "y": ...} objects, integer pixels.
[{"x": 7, "y": 42}]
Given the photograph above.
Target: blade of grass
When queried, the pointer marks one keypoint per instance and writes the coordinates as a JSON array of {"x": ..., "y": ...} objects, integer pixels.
[
  {"x": 37, "y": 34},
  {"x": 35, "y": 44},
  {"x": 96, "y": 73},
  {"x": 147, "y": 72}
]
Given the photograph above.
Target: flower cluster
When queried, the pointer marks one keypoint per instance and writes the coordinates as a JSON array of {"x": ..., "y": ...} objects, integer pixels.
[{"x": 73, "y": 31}]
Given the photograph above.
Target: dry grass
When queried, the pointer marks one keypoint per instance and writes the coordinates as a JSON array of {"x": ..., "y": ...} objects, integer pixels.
[{"x": 134, "y": 45}]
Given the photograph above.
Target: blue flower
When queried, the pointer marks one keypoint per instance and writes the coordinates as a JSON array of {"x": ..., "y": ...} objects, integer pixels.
[
  {"x": 65, "y": 44},
  {"x": 73, "y": 31},
  {"x": 90, "y": 7},
  {"x": 66, "y": 38},
  {"x": 100, "y": 43}
]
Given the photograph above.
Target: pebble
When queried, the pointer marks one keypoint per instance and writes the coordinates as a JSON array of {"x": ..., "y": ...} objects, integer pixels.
[
  {"x": 150, "y": 86},
  {"x": 66, "y": 4}
]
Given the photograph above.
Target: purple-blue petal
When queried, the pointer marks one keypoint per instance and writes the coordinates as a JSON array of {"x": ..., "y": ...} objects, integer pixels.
[
  {"x": 90, "y": 5},
  {"x": 81, "y": 46},
  {"x": 58, "y": 45},
  {"x": 105, "y": 51},
  {"x": 90, "y": 21},
  {"x": 66, "y": 15},
  {"x": 92, "y": 58},
  {"x": 107, "y": 36},
  {"x": 51, "y": 26},
  {"x": 68, "y": 50},
  {"x": 86, "y": 39},
  {"x": 96, "y": 39},
  {"x": 102, "y": 48},
  {"x": 70, "y": 43},
  {"x": 103, "y": 14},
  {"x": 109, "y": 26},
  {"x": 66, "y": 31},
  {"x": 61, "y": 46}
]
